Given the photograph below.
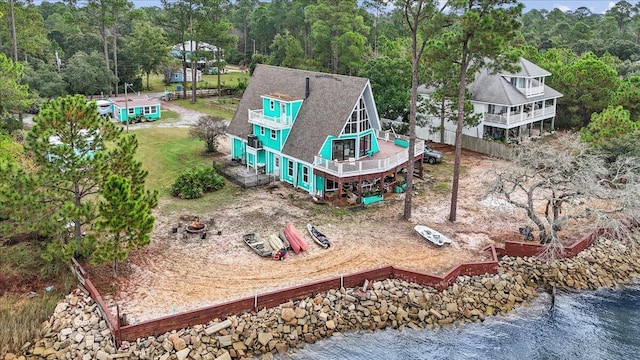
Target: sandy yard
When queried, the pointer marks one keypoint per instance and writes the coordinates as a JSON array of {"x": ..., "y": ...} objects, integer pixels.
[{"x": 176, "y": 274}]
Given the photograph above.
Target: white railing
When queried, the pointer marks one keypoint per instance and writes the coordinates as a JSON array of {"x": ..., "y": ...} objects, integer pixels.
[
  {"x": 532, "y": 90},
  {"x": 525, "y": 117},
  {"x": 257, "y": 117},
  {"x": 363, "y": 167}
]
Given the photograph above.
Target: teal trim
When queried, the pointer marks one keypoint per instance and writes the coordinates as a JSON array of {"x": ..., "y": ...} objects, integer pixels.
[
  {"x": 139, "y": 110},
  {"x": 295, "y": 109}
]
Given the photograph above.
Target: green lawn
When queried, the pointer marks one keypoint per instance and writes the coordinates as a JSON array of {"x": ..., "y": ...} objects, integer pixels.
[
  {"x": 224, "y": 107},
  {"x": 229, "y": 80},
  {"x": 168, "y": 152}
]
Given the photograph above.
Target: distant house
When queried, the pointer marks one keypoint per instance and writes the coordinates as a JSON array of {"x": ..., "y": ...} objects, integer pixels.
[
  {"x": 320, "y": 133},
  {"x": 138, "y": 107},
  {"x": 207, "y": 53},
  {"x": 177, "y": 76},
  {"x": 510, "y": 104}
]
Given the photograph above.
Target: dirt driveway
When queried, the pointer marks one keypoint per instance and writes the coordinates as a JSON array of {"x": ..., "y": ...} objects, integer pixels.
[{"x": 177, "y": 273}]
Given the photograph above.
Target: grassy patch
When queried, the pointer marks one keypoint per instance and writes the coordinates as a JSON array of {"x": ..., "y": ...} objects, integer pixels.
[
  {"x": 224, "y": 108},
  {"x": 168, "y": 152},
  {"x": 20, "y": 318},
  {"x": 210, "y": 200},
  {"x": 228, "y": 80}
]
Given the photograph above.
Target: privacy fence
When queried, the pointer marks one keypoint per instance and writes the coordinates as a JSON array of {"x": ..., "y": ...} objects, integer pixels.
[{"x": 122, "y": 332}]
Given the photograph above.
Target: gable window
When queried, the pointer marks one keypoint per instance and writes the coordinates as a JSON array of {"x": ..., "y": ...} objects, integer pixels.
[
  {"x": 272, "y": 105},
  {"x": 290, "y": 172},
  {"x": 359, "y": 120},
  {"x": 273, "y": 134},
  {"x": 305, "y": 174},
  {"x": 343, "y": 149}
]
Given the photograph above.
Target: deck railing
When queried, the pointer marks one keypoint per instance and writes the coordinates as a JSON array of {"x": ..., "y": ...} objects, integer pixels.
[
  {"x": 515, "y": 118},
  {"x": 369, "y": 166},
  {"x": 277, "y": 123}
]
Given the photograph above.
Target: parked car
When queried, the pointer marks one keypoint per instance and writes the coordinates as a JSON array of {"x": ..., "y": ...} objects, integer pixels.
[{"x": 431, "y": 156}]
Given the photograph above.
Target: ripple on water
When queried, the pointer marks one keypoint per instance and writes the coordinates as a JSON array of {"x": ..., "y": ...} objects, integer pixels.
[{"x": 598, "y": 325}]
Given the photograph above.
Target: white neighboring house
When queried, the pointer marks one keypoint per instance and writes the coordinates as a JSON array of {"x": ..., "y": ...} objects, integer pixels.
[{"x": 510, "y": 104}]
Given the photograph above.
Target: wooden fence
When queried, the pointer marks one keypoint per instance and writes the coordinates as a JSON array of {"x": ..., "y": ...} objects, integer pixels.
[
  {"x": 275, "y": 298},
  {"x": 488, "y": 147}
]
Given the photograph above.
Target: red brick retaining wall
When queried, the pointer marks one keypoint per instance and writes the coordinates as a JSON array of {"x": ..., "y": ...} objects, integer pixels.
[{"x": 275, "y": 298}]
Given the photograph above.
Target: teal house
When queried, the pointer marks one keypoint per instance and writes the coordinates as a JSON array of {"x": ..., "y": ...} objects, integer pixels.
[
  {"x": 136, "y": 108},
  {"x": 320, "y": 133}
]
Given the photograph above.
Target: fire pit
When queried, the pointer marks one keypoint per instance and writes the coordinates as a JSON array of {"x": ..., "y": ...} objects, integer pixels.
[{"x": 196, "y": 226}]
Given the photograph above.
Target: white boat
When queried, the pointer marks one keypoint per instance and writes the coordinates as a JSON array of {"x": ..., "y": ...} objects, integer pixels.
[{"x": 433, "y": 236}]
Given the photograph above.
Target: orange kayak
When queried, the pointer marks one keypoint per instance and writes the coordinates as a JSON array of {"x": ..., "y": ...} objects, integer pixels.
[{"x": 294, "y": 236}]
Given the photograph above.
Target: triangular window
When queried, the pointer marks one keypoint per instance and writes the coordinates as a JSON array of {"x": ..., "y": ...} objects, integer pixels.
[{"x": 359, "y": 119}]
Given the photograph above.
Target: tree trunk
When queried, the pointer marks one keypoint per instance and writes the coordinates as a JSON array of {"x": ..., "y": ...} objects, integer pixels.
[
  {"x": 442, "y": 119},
  {"x": 14, "y": 35},
  {"x": 105, "y": 46},
  {"x": 115, "y": 49},
  {"x": 194, "y": 72},
  {"x": 458, "y": 154},
  {"x": 115, "y": 268},
  {"x": 412, "y": 125}
]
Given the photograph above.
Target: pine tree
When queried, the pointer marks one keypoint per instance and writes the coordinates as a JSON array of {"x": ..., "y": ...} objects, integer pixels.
[{"x": 124, "y": 221}]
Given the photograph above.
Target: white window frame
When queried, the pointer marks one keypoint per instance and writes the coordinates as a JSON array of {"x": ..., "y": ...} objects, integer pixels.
[
  {"x": 262, "y": 130},
  {"x": 272, "y": 105},
  {"x": 273, "y": 134},
  {"x": 305, "y": 174},
  {"x": 290, "y": 169},
  {"x": 132, "y": 111}
]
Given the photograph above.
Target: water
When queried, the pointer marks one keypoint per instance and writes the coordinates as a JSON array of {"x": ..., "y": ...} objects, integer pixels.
[{"x": 590, "y": 325}]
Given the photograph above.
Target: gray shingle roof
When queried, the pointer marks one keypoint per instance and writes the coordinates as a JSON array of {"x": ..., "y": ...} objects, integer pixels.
[
  {"x": 529, "y": 69},
  {"x": 323, "y": 113},
  {"x": 495, "y": 89}
]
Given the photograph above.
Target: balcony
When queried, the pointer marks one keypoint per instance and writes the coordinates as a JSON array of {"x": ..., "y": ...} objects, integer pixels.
[
  {"x": 531, "y": 90},
  {"x": 257, "y": 117},
  {"x": 520, "y": 118},
  {"x": 389, "y": 157}
]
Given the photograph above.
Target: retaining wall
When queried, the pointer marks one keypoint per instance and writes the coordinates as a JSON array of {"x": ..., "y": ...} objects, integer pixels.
[{"x": 275, "y": 298}]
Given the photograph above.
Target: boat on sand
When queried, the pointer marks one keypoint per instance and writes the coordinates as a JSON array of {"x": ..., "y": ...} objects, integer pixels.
[
  {"x": 260, "y": 247},
  {"x": 318, "y": 237},
  {"x": 431, "y": 235},
  {"x": 295, "y": 239}
]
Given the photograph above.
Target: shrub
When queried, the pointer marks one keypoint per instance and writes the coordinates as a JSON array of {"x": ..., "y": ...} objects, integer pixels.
[{"x": 194, "y": 183}]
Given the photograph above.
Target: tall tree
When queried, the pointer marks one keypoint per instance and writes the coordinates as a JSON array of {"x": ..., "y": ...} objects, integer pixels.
[
  {"x": 14, "y": 97},
  {"x": 418, "y": 16},
  {"x": 100, "y": 14},
  {"x": 391, "y": 84},
  {"x": 480, "y": 37},
  {"x": 119, "y": 10},
  {"x": 338, "y": 35},
  {"x": 124, "y": 221},
  {"x": 286, "y": 51},
  {"x": 147, "y": 47},
  {"x": 85, "y": 74},
  {"x": 67, "y": 142}
]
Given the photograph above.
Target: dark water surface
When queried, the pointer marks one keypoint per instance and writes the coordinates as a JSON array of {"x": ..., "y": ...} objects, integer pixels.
[{"x": 604, "y": 324}]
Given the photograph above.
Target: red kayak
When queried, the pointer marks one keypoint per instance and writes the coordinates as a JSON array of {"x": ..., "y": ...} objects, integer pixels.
[
  {"x": 294, "y": 236},
  {"x": 291, "y": 239}
]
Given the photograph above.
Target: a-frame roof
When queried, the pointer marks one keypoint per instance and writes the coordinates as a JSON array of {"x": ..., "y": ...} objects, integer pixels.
[{"x": 324, "y": 113}]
